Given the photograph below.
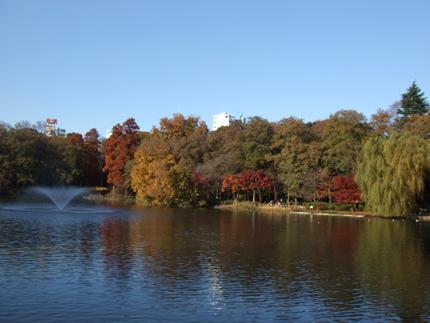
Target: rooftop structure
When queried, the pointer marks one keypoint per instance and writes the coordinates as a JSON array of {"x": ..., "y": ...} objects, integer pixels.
[
  {"x": 221, "y": 120},
  {"x": 51, "y": 129}
]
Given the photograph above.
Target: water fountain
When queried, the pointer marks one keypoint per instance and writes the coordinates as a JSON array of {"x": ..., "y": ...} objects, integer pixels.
[
  {"x": 35, "y": 200},
  {"x": 60, "y": 196}
]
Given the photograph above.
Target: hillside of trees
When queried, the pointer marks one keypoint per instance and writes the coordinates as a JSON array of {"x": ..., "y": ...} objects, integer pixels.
[{"x": 383, "y": 162}]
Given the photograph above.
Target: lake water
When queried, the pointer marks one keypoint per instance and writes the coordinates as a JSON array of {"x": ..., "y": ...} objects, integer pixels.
[{"x": 96, "y": 264}]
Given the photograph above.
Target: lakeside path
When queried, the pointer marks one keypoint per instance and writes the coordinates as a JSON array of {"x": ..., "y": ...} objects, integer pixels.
[
  {"x": 329, "y": 214},
  {"x": 285, "y": 210},
  {"x": 281, "y": 210}
]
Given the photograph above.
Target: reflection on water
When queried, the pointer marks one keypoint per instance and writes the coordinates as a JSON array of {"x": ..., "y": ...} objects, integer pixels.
[{"x": 210, "y": 265}]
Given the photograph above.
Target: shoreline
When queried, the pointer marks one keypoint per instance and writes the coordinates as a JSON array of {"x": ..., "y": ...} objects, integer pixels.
[
  {"x": 263, "y": 208},
  {"x": 332, "y": 214},
  {"x": 286, "y": 211},
  {"x": 283, "y": 210}
]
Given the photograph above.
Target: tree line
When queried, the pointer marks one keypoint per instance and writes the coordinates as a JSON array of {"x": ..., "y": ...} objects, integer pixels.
[
  {"x": 28, "y": 157},
  {"x": 383, "y": 162}
]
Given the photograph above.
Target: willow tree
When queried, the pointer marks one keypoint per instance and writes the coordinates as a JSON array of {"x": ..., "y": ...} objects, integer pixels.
[{"x": 391, "y": 173}]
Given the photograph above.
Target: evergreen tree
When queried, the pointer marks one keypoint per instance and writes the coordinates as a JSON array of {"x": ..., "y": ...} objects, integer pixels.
[{"x": 413, "y": 103}]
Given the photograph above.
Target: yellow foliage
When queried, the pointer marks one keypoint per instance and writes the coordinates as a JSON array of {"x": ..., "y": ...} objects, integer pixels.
[{"x": 150, "y": 174}]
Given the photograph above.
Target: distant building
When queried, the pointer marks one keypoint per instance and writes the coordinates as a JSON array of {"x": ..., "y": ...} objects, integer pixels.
[
  {"x": 61, "y": 132},
  {"x": 51, "y": 129},
  {"x": 221, "y": 120}
]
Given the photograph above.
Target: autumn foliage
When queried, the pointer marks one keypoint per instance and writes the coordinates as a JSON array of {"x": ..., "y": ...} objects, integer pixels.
[
  {"x": 181, "y": 163},
  {"x": 345, "y": 190},
  {"x": 119, "y": 151},
  {"x": 163, "y": 170},
  {"x": 248, "y": 183},
  {"x": 28, "y": 157}
]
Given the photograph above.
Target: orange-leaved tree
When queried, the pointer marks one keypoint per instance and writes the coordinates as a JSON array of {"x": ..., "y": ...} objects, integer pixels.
[
  {"x": 119, "y": 150},
  {"x": 233, "y": 184}
]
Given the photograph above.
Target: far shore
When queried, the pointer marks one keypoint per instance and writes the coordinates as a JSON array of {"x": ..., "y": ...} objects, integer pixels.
[
  {"x": 264, "y": 208},
  {"x": 285, "y": 210},
  {"x": 281, "y": 209}
]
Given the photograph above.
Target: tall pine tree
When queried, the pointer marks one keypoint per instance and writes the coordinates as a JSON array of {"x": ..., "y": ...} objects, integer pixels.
[{"x": 413, "y": 103}]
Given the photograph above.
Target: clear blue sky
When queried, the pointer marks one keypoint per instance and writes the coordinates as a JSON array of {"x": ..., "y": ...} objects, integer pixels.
[{"x": 96, "y": 63}]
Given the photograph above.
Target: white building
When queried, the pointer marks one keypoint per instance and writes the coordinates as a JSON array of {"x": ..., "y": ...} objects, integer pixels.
[{"x": 221, "y": 120}]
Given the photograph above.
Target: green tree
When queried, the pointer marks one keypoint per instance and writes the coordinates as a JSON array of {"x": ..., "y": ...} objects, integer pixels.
[
  {"x": 391, "y": 173},
  {"x": 225, "y": 152},
  {"x": 223, "y": 155},
  {"x": 27, "y": 158},
  {"x": 296, "y": 156},
  {"x": 413, "y": 103},
  {"x": 6, "y": 162},
  {"x": 75, "y": 158},
  {"x": 182, "y": 183},
  {"x": 93, "y": 171},
  {"x": 258, "y": 136},
  {"x": 342, "y": 141}
]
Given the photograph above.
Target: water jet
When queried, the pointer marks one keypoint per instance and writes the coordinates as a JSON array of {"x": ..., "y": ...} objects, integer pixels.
[{"x": 59, "y": 196}]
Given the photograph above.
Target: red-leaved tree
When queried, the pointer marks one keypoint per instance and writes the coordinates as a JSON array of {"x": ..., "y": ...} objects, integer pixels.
[
  {"x": 251, "y": 181},
  {"x": 345, "y": 190},
  {"x": 255, "y": 181},
  {"x": 205, "y": 186}
]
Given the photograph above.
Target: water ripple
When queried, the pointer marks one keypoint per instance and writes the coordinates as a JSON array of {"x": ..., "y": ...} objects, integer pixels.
[{"x": 89, "y": 263}]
